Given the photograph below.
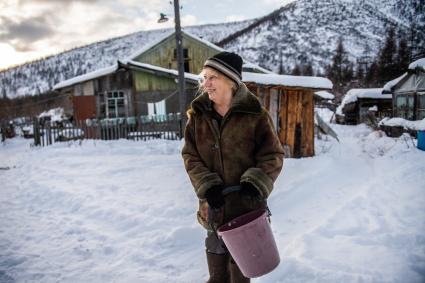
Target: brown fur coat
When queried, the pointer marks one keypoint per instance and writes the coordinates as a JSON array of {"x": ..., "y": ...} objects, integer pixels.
[{"x": 245, "y": 148}]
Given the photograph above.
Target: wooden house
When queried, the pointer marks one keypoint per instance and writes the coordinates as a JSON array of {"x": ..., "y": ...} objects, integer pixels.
[
  {"x": 143, "y": 84},
  {"x": 358, "y": 104},
  {"x": 408, "y": 92},
  {"x": 124, "y": 90},
  {"x": 146, "y": 84},
  {"x": 290, "y": 101}
]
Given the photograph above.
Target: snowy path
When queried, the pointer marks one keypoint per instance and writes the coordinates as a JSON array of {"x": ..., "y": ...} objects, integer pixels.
[{"x": 124, "y": 212}]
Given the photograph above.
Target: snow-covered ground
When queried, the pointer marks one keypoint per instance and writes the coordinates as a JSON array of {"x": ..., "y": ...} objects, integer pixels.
[{"x": 124, "y": 211}]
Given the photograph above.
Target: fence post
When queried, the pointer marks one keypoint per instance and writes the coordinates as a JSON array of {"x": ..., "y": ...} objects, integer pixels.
[
  {"x": 36, "y": 130},
  {"x": 180, "y": 127},
  {"x": 49, "y": 134}
]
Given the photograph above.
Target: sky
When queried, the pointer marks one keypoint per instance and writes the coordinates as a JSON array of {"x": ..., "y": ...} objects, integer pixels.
[{"x": 31, "y": 29}]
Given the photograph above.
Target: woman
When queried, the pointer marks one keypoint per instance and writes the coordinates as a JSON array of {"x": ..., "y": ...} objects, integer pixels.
[{"x": 232, "y": 155}]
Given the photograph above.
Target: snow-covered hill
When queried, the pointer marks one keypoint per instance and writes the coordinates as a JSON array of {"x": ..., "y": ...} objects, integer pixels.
[
  {"x": 124, "y": 211},
  {"x": 40, "y": 76},
  {"x": 306, "y": 31},
  {"x": 303, "y": 32}
]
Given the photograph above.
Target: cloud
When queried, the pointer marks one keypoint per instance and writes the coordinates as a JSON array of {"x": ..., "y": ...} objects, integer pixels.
[
  {"x": 62, "y": 2},
  {"x": 235, "y": 18},
  {"x": 21, "y": 34},
  {"x": 188, "y": 20},
  {"x": 46, "y": 27}
]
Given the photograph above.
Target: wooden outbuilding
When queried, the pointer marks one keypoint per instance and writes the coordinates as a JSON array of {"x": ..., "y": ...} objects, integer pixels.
[
  {"x": 290, "y": 101},
  {"x": 358, "y": 105}
]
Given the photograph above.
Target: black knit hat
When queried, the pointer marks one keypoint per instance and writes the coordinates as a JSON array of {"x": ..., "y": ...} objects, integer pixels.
[{"x": 227, "y": 63}]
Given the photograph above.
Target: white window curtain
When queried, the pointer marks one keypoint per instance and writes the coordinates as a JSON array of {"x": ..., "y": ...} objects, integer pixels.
[{"x": 157, "y": 108}]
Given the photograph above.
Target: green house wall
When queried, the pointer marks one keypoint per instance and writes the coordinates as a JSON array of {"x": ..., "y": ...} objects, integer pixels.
[
  {"x": 144, "y": 81},
  {"x": 162, "y": 54}
]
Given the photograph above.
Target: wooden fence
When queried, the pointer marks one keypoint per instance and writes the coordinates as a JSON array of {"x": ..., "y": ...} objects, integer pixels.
[{"x": 141, "y": 128}]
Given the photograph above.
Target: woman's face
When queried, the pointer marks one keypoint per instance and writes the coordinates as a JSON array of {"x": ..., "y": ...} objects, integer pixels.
[{"x": 219, "y": 88}]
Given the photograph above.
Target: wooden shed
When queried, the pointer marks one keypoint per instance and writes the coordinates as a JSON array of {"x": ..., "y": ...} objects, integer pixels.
[
  {"x": 358, "y": 103},
  {"x": 290, "y": 101}
]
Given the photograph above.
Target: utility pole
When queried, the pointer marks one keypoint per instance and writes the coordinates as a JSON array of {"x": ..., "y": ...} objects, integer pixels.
[{"x": 180, "y": 60}]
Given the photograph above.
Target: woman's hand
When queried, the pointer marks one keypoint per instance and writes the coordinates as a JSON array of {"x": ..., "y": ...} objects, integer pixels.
[
  {"x": 248, "y": 189},
  {"x": 215, "y": 197}
]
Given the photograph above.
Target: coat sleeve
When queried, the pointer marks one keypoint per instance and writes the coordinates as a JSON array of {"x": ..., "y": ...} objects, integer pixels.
[
  {"x": 201, "y": 177},
  {"x": 268, "y": 157}
]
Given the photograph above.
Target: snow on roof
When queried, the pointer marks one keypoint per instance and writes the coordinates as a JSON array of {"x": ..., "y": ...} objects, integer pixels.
[
  {"x": 247, "y": 64},
  {"x": 55, "y": 114},
  {"x": 112, "y": 69},
  {"x": 148, "y": 46},
  {"x": 286, "y": 80},
  {"x": 163, "y": 70},
  {"x": 86, "y": 77},
  {"x": 325, "y": 94},
  {"x": 355, "y": 93},
  {"x": 389, "y": 85},
  {"x": 418, "y": 125},
  {"x": 418, "y": 64}
]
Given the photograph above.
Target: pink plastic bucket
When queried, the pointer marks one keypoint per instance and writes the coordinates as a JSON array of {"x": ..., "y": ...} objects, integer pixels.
[{"x": 250, "y": 241}]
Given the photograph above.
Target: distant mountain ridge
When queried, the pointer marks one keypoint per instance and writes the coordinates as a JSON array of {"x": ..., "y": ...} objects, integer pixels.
[
  {"x": 307, "y": 31},
  {"x": 302, "y": 32}
]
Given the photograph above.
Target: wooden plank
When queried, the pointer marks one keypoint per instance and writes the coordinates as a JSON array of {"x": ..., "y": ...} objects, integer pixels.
[
  {"x": 291, "y": 119},
  {"x": 308, "y": 123},
  {"x": 298, "y": 131},
  {"x": 267, "y": 99},
  {"x": 325, "y": 127},
  {"x": 283, "y": 117}
]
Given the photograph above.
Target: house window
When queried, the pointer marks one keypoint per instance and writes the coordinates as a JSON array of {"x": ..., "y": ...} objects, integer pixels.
[
  {"x": 157, "y": 108},
  {"x": 186, "y": 59},
  {"x": 115, "y": 104},
  {"x": 404, "y": 106},
  {"x": 421, "y": 106}
]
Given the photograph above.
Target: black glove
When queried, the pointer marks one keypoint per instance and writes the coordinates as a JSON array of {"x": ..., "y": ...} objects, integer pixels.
[
  {"x": 248, "y": 189},
  {"x": 214, "y": 197}
]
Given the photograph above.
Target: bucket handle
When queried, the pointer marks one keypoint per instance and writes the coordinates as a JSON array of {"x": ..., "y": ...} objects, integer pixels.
[{"x": 268, "y": 212}]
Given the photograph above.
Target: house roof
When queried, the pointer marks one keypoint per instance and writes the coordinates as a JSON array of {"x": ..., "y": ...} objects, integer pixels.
[
  {"x": 355, "y": 93},
  {"x": 389, "y": 85},
  {"x": 150, "y": 67},
  {"x": 86, "y": 77},
  {"x": 324, "y": 94},
  {"x": 418, "y": 65},
  {"x": 111, "y": 69},
  {"x": 148, "y": 46},
  {"x": 286, "y": 80},
  {"x": 414, "y": 68},
  {"x": 133, "y": 56}
]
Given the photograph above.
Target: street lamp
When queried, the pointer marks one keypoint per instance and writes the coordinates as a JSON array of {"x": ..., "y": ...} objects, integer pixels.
[
  {"x": 163, "y": 18},
  {"x": 180, "y": 59}
]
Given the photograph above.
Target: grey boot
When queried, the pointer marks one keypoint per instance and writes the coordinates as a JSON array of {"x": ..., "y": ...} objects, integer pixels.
[
  {"x": 236, "y": 275},
  {"x": 218, "y": 268}
]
